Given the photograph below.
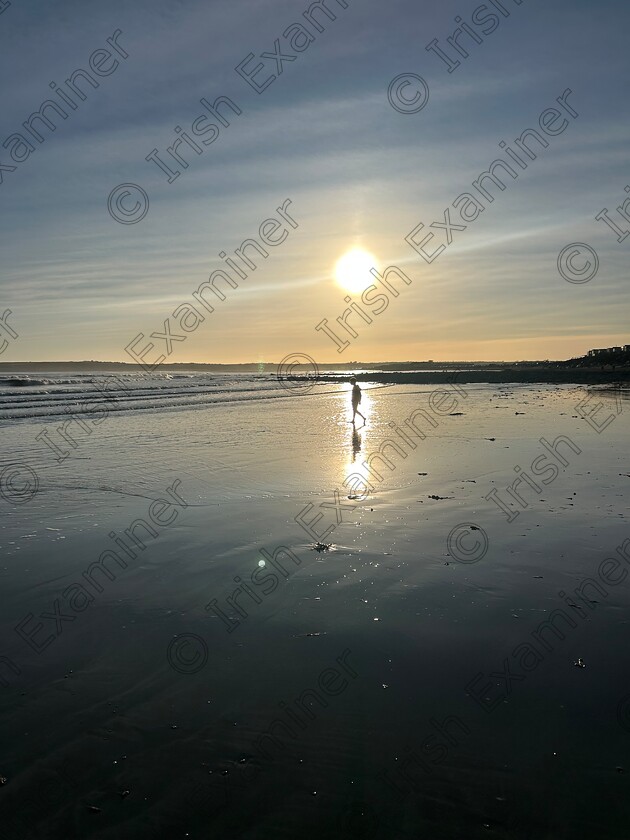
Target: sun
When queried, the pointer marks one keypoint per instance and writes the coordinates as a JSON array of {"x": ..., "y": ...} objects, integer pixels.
[{"x": 352, "y": 271}]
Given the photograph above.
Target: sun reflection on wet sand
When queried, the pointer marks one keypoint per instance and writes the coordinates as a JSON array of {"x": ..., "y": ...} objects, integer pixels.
[{"x": 359, "y": 436}]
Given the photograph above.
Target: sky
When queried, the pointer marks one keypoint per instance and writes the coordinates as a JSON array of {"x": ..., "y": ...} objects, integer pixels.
[{"x": 360, "y": 161}]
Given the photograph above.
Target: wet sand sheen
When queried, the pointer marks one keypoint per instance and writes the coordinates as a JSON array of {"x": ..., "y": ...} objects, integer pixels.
[{"x": 106, "y": 712}]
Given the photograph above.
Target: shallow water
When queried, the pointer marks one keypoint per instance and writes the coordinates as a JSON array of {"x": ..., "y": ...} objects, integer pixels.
[{"x": 411, "y": 618}]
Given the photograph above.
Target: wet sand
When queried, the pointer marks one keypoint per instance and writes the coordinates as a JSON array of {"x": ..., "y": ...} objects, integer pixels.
[{"x": 169, "y": 681}]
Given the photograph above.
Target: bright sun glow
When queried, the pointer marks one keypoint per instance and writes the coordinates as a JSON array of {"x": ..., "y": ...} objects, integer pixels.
[{"x": 352, "y": 271}]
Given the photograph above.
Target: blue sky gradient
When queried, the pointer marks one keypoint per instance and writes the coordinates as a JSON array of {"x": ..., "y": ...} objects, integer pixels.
[{"x": 358, "y": 173}]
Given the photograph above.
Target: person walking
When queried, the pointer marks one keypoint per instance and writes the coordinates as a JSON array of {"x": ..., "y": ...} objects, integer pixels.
[{"x": 356, "y": 399}]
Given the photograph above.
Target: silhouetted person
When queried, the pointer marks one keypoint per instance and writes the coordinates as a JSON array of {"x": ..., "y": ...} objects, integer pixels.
[{"x": 356, "y": 399}]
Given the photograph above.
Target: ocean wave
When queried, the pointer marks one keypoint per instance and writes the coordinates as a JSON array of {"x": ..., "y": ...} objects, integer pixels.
[
  {"x": 24, "y": 398},
  {"x": 29, "y": 381}
]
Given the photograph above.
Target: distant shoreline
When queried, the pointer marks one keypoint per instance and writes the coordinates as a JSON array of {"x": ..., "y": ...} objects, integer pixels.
[{"x": 507, "y": 375}]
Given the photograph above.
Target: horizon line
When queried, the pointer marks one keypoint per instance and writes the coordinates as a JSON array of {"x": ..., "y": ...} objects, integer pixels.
[{"x": 336, "y": 363}]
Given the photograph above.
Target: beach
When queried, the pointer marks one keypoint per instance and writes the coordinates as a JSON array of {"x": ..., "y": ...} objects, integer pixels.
[{"x": 220, "y": 622}]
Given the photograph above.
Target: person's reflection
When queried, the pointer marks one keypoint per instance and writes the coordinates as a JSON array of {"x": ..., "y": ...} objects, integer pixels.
[{"x": 356, "y": 444}]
